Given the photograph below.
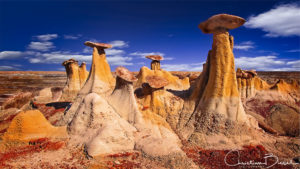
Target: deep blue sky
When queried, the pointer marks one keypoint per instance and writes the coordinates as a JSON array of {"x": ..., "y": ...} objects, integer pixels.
[{"x": 141, "y": 27}]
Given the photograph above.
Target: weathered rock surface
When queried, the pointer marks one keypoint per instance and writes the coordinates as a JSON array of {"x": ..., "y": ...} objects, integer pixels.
[
  {"x": 174, "y": 82},
  {"x": 100, "y": 81},
  {"x": 216, "y": 98},
  {"x": 284, "y": 120},
  {"x": 249, "y": 83},
  {"x": 32, "y": 125}
]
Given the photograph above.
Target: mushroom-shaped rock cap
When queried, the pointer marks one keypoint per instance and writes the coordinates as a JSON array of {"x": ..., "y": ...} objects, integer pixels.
[
  {"x": 221, "y": 21},
  {"x": 155, "y": 57},
  {"x": 125, "y": 74},
  {"x": 156, "y": 82},
  {"x": 253, "y": 72},
  {"x": 97, "y": 45},
  {"x": 69, "y": 61}
]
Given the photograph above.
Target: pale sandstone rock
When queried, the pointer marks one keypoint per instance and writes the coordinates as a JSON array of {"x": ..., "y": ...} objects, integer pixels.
[
  {"x": 122, "y": 98},
  {"x": 100, "y": 80},
  {"x": 44, "y": 96},
  {"x": 100, "y": 128},
  {"x": 153, "y": 136}
]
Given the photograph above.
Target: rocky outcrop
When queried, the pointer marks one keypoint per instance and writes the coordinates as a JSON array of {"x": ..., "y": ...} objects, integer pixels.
[
  {"x": 284, "y": 119},
  {"x": 97, "y": 126},
  {"x": 32, "y": 124},
  {"x": 155, "y": 99},
  {"x": 174, "y": 82},
  {"x": 249, "y": 83},
  {"x": 76, "y": 77},
  {"x": 284, "y": 87},
  {"x": 215, "y": 97}
]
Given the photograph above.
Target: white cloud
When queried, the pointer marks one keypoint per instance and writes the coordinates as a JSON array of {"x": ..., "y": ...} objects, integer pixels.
[
  {"x": 41, "y": 46},
  {"x": 7, "y": 68},
  {"x": 168, "y": 58},
  {"x": 267, "y": 63},
  {"x": 114, "y": 52},
  {"x": 118, "y": 44},
  {"x": 143, "y": 54},
  {"x": 293, "y": 50},
  {"x": 280, "y": 21},
  {"x": 259, "y": 62},
  {"x": 182, "y": 67},
  {"x": 72, "y": 37},
  {"x": 244, "y": 45},
  {"x": 87, "y": 50},
  {"x": 46, "y": 37},
  {"x": 294, "y": 64},
  {"x": 58, "y": 57},
  {"x": 10, "y": 54},
  {"x": 119, "y": 60}
]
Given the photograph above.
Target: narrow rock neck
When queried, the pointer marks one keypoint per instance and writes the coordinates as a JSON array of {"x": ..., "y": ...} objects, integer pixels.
[
  {"x": 155, "y": 65},
  {"x": 222, "y": 76}
]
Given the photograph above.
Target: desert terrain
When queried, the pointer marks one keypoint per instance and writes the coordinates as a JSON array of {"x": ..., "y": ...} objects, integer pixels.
[{"x": 222, "y": 117}]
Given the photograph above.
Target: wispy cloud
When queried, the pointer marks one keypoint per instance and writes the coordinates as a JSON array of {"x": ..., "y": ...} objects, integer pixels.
[
  {"x": 267, "y": 63},
  {"x": 294, "y": 64},
  {"x": 41, "y": 46},
  {"x": 283, "y": 21},
  {"x": 114, "y": 52},
  {"x": 57, "y": 57},
  {"x": 8, "y": 68},
  {"x": 143, "y": 54},
  {"x": 72, "y": 37},
  {"x": 10, "y": 54},
  {"x": 293, "y": 50},
  {"x": 46, "y": 37},
  {"x": 244, "y": 45},
  {"x": 118, "y": 44},
  {"x": 119, "y": 60},
  {"x": 183, "y": 67}
]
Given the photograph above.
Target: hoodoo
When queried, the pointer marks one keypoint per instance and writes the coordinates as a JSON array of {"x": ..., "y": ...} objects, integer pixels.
[
  {"x": 100, "y": 80},
  {"x": 122, "y": 98},
  {"x": 216, "y": 95},
  {"x": 155, "y": 64},
  {"x": 83, "y": 73},
  {"x": 160, "y": 101},
  {"x": 73, "y": 81}
]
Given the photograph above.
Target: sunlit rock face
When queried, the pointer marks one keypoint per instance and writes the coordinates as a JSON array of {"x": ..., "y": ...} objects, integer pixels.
[
  {"x": 249, "y": 83},
  {"x": 30, "y": 125},
  {"x": 215, "y": 97},
  {"x": 174, "y": 82},
  {"x": 100, "y": 80}
]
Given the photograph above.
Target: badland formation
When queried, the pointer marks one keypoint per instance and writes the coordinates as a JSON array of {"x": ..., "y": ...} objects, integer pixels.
[{"x": 154, "y": 119}]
